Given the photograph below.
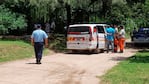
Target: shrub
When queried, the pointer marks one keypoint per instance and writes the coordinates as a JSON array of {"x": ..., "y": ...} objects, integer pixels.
[{"x": 10, "y": 20}]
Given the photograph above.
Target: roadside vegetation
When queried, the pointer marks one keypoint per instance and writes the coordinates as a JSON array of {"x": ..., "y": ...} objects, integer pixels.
[
  {"x": 57, "y": 42},
  {"x": 11, "y": 21},
  {"x": 13, "y": 50},
  {"x": 134, "y": 70}
]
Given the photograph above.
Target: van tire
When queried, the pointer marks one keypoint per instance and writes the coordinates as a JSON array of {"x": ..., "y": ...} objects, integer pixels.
[
  {"x": 102, "y": 50},
  {"x": 96, "y": 51},
  {"x": 74, "y": 51}
]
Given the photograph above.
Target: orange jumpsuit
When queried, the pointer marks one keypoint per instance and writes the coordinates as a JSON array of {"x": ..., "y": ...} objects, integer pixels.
[
  {"x": 116, "y": 43},
  {"x": 121, "y": 44},
  {"x": 122, "y": 39}
]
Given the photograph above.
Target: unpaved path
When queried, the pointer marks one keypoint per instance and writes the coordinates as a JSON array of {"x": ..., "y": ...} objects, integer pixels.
[{"x": 61, "y": 68}]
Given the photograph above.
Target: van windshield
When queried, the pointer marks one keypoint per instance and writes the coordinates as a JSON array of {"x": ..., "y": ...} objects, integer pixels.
[
  {"x": 100, "y": 29},
  {"x": 79, "y": 30}
]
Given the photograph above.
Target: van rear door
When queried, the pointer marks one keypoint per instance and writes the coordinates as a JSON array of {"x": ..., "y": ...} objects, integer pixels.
[{"x": 78, "y": 37}]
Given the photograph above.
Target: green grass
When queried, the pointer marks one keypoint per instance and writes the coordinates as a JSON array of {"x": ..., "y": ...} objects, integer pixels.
[
  {"x": 13, "y": 50},
  {"x": 135, "y": 70}
]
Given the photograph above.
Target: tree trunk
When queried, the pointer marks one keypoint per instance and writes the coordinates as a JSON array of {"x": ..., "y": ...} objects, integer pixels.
[
  {"x": 106, "y": 7},
  {"x": 2, "y": 1},
  {"x": 68, "y": 9}
]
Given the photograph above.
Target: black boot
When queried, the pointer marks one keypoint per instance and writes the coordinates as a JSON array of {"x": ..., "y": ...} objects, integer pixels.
[
  {"x": 121, "y": 51},
  {"x": 38, "y": 61}
]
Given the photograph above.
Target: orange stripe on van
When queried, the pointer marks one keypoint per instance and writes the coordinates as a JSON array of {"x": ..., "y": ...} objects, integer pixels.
[
  {"x": 74, "y": 32},
  {"x": 75, "y": 38}
]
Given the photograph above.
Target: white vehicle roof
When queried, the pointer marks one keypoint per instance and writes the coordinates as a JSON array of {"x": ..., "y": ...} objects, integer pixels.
[
  {"x": 74, "y": 25},
  {"x": 102, "y": 24},
  {"x": 82, "y": 25}
]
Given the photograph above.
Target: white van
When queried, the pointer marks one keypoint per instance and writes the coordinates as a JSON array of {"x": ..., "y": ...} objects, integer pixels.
[{"x": 86, "y": 37}]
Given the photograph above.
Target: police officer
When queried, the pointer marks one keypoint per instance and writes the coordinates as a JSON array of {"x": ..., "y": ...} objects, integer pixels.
[{"x": 38, "y": 38}]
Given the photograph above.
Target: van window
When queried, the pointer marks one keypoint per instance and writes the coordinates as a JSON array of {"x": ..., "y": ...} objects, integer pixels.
[
  {"x": 100, "y": 29},
  {"x": 79, "y": 29}
]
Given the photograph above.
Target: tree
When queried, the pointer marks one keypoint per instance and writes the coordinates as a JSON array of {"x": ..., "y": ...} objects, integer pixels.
[
  {"x": 68, "y": 10},
  {"x": 10, "y": 20},
  {"x": 106, "y": 7},
  {"x": 40, "y": 10},
  {"x": 132, "y": 2},
  {"x": 2, "y": 1}
]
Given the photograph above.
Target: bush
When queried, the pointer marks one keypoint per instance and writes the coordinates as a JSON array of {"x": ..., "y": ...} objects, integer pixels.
[
  {"x": 57, "y": 42},
  {"x": 10, "y": 20}
]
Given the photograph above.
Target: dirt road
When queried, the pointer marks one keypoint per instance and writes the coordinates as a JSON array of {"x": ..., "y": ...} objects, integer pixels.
[{"x": 61, "y": 68}]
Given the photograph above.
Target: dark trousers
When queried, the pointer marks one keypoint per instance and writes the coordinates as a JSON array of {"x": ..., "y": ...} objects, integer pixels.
[
  {"x": 38, "y": 47},
  {"x": 110, "y": 45}
]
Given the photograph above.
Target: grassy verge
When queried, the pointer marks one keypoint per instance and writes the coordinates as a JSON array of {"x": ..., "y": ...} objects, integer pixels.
[
  {"x": 135, "y": 70},
  {"x": 13, "y": 50}
]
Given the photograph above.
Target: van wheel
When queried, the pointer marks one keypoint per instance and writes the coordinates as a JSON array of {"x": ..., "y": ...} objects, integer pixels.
[
  {"x": 69, "y": 51},
  {"x": 102, "y": 51},
  {"x": 74, "y": 51},
  {"x": 96, "y": 51}
]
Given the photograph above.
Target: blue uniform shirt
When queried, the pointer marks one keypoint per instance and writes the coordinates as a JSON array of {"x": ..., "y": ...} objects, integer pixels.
[
  {"x": 39, "y": 35},
  {"x": 110, "y": 33}
]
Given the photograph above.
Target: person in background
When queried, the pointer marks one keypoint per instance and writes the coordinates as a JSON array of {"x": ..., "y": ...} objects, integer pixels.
[
  {"x": 134, "y": 31},
  {"x": 110, "y": 38},
  {"x": 53, "y": 26},
  {"x": 38, "y": 38},
  {"x": 121, "y": 39},
  {"x": 47, "y": 28}
]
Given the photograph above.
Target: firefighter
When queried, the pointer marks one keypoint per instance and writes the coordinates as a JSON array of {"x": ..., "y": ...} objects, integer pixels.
[{"x": 121, "y": 37}]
